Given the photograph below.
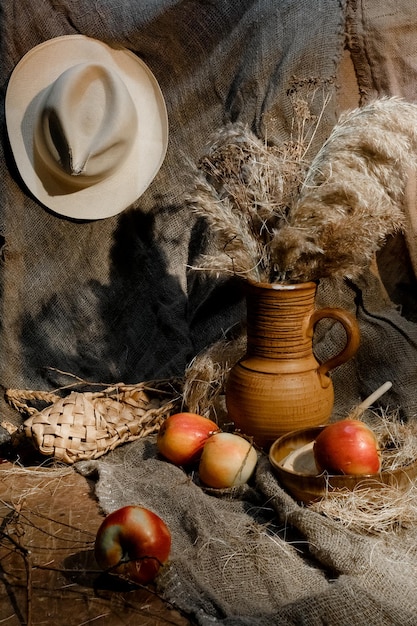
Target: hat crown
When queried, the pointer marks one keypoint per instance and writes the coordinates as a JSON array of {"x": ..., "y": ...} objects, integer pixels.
[{"x": 86, "y": 125}]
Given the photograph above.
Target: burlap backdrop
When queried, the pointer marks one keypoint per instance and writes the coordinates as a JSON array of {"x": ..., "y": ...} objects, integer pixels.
[{"x": 112, "y": 300}]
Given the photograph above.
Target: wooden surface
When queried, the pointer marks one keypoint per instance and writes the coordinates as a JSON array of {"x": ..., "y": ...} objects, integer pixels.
[{"x": 48, "y": 575}]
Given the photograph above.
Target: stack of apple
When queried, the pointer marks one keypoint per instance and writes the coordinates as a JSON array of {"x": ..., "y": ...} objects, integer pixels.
[
  {"x": 134, "y": 542},
  {"x": 224, "y": 459}
]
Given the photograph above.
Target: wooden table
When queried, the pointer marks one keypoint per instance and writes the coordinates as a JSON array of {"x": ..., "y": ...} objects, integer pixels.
[{"x": 48, "y": 575}]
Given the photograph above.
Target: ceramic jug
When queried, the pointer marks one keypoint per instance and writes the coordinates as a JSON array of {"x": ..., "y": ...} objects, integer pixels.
[{"x": 279, "y": 385}]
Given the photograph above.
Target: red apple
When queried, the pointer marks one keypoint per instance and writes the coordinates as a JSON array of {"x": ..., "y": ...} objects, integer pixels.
[
  {"x": 133, "y": 542},
  {"x": 227, "y": 460},
  {"x": 182, "y": 436},
  {"x": 347, "y": 447}
]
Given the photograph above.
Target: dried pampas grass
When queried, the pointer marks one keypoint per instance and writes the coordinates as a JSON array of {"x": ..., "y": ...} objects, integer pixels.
[
  {"x": 352, "y": 196},
  {"x": 239, "y": 191},
  {"x": 275, "y": 215},
  {"x": 243, "y": 187}
]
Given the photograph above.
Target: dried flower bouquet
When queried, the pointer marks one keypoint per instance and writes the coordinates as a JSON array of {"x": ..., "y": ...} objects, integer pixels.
[{"x": 277, "y": 216}]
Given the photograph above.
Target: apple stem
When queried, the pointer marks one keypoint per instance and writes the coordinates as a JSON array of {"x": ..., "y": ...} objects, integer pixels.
[{"x": 361, "y": 408}]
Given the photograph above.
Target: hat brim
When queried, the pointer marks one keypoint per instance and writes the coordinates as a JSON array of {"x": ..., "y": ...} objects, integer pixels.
[{"x": 34, "y": 73}]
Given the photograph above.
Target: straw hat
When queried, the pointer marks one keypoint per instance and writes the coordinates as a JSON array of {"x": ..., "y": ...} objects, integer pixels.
[{"x": 87, "y": 125}]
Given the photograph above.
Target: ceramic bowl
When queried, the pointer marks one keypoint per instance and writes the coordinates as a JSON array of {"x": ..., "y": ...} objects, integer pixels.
[{"x": 292, "y": 460}]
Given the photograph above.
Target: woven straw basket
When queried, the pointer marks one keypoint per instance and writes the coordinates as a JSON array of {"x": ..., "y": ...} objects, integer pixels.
[{"x": 83, "y": 426}]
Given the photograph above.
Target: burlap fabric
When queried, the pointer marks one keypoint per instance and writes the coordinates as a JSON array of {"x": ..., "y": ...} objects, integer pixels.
[
  {"x": 254, "y": 557},
  {"x": 112, "y": 300}
]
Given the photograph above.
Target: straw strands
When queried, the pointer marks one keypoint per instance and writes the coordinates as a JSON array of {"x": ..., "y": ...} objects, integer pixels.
[{"x": 381, "y": 508}]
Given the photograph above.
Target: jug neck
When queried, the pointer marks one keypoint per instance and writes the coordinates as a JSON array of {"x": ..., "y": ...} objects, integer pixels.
[{"x": 278, "y": 319}]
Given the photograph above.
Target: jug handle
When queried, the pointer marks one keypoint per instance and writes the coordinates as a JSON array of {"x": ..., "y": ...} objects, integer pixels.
[{"x": 351, "y": 327}]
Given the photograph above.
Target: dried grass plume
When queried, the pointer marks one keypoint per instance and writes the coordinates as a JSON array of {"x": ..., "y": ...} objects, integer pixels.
[{"x": 277, "y": 215}]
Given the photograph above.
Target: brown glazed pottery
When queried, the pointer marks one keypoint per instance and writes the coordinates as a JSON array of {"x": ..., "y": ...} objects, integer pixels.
[{"x": 279, "y": 386}]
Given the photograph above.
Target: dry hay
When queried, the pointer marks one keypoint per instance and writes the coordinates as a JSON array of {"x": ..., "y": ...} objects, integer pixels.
[
  {"x": 397, "y": 439},
  {"x": 41, "y": 473},
  {"x": 368, "y": 511},
  {"x": 385, "y": 508},
  {"x": 205, "y": 377}
]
